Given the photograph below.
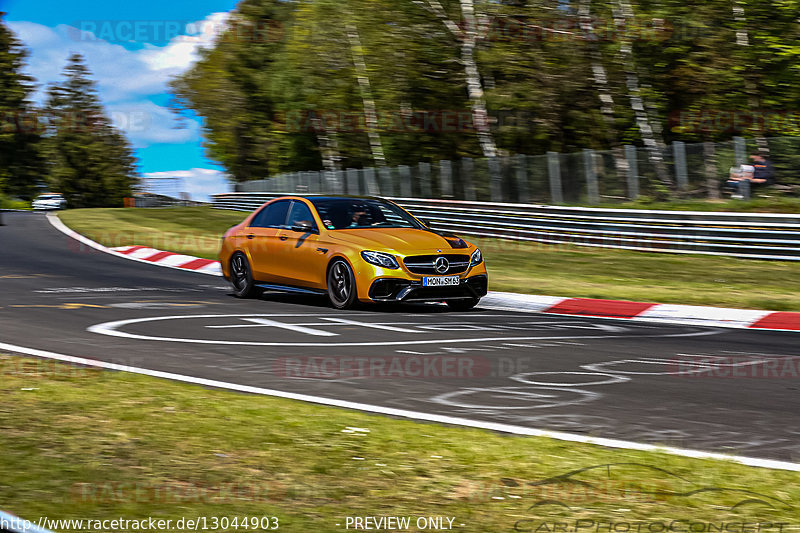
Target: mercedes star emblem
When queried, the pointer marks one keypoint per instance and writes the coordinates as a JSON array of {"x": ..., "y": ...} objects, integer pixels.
[{"x": 442, "y": 265}]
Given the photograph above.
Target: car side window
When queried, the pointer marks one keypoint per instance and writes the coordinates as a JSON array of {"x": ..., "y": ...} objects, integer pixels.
[
  {"x": 272, "y": 216},
  {"x": 300, "y": 213}
]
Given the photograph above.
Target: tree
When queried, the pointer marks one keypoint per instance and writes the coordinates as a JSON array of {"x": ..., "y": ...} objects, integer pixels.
[
  {"x": 468, "y": 33},
  {"x": 20, "y": 163},
  {"x": 354, "y": 83},
  {"x": 89, "y": 160},
  {"x": 232, "y": 87}
]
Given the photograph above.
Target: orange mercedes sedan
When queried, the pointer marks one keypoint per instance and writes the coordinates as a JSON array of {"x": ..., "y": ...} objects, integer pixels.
[{"x": 353, "y": 249}]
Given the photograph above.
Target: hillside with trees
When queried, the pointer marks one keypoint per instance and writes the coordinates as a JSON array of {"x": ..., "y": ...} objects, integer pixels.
[{"x": 331, "y": 84}]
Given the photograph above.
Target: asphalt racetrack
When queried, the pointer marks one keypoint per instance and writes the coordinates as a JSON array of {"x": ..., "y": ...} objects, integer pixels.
[{"x": 718, "y": 390}]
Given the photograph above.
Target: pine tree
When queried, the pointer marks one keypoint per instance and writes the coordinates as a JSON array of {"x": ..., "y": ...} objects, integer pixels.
[
  {"x": 20, "y": 164},
  {"x": 90, "y": 161}
]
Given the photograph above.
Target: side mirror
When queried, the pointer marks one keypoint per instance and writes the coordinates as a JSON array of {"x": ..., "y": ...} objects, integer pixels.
[{"x": 303, "y": 226}]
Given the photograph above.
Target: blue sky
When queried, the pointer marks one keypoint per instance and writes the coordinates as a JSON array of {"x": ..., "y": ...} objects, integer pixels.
[{"x": 133, "y": 48}]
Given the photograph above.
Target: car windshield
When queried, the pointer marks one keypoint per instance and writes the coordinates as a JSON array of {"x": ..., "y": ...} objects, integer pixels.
[
  {"x": 49, "y": 197},
  {"x": 361, "y": 213}
]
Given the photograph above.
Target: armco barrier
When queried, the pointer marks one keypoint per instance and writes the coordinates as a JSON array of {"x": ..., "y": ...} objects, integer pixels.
[{"x": 748, "y": 235}]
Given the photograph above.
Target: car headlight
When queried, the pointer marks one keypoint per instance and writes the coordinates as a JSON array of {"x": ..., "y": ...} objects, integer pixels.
[
  {"x": 476, "y": 259},
  {"x": 380, "y": 259}
]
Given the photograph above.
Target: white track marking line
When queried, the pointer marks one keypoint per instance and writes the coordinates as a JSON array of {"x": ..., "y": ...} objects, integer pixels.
[
  {"x": 429, "y": 417},
  {"x": 265, "y": 322},
  {"x": 370, "y": 325},
  {"x": 111, "y": 329}
]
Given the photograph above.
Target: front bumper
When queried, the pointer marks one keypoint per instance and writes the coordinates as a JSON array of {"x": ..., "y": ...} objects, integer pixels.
[{"x": 405, "y": 290}]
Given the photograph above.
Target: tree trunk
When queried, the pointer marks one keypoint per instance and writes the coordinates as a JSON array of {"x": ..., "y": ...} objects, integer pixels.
[
  {"x": 364, "y": 85},
  {"x": 712, "y": 180},
  {"x": 652, "y": 139},
  {"x": 743, "y": 39},
  {"x": 468, "y": 36},
  {"x": 600, "y": 78},
  {"x": 329, "y": 147},
  {"x": 480, "y": 116}
]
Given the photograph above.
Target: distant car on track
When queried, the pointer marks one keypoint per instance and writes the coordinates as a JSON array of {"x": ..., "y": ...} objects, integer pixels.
[
  {"x": 49, "y": 201},
  {"x": 352, "y": 249}
]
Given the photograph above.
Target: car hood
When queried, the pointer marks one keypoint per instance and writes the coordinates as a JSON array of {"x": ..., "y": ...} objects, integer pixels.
[{"x": 403, "y": 241}]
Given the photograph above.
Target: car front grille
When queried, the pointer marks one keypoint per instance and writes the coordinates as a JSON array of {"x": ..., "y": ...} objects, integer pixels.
[{"x": 426, "y": 264}]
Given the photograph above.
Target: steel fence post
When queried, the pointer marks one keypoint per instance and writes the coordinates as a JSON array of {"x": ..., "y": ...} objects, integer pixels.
[
  {"x": 370, "y": 182},
  {"x": 633, "y": 172},
  {"x": 405, "y": 181},
  {"x": 467, "y": 166},
  {"x": 425, "y": 180},
  {"x": 521, "y": 176},
  {"x": 592, "y": 187},
  {"x": 681, "y": 172},
  {"x": 446, "y": 179},
  {"x": 386, "y": 182},
  {"x": 495, "y": 180},
  {"x": 353, "y": 181},
  {"x": 554, "y": 172},
  {"x": 740, "y": 150},
  {"x": 710, "y": 159}
]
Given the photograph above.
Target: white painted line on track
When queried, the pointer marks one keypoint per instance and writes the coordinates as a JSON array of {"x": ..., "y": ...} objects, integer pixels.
[
  {"x": 369, "y": 325},
  {"x": 414, "y": 415},
  {"x": 283, "y": 325},
  {"x": 112, "y": 329}
]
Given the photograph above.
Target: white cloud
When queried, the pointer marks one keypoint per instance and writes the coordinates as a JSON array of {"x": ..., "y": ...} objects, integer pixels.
[
  {"x": 146, "y": 123},
  {"x": 200, "y": 183},
  {"x": 125, "y": 78},
  {"x": 182, "y": 50}
]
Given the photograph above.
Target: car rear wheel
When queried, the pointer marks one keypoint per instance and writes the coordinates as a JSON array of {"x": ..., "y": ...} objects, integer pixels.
[
  {"x": 341, "y": 285},
  {"x": 462, "y": 304},
  {"x": 242, "y": 277}
]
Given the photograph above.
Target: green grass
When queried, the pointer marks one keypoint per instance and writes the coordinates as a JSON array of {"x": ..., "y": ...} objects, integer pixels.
[
  {"x": 564, "y": 270},
  {"x": 9, "y": 203},
  {"x": 189, "y": 230},
  {"x": 88, "y": 443},
  {"x": 578, "y": 272},
  {"x": 758, "y": 204}
]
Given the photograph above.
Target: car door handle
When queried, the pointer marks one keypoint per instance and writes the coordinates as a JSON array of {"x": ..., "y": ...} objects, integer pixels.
[
  {"x": 250, "y": 236},
  {"x": 283, "y": 237}
]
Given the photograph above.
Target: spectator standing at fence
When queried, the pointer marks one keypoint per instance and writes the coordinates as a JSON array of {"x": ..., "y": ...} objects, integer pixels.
[
  {"x": 764, "y": 172},
  {"x": 759, "y": 173}
]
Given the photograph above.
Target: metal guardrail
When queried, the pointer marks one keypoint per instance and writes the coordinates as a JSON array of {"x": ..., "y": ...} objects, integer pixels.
[{"x": 747, "y": 235}]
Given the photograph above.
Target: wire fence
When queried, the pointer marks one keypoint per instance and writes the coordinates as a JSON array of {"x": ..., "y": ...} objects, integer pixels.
[{"x": 589, "y": 177}]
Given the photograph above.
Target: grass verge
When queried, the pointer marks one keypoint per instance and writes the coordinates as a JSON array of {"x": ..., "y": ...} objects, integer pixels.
[
  {"x": 560, "y": 270},
  {"x": 10, "y": 203},
  {"x": 759, "y": 204},
  {"x": 95, "y": 444}
]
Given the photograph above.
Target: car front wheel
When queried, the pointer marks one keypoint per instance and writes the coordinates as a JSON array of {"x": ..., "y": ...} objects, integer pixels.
[{"x": 341, "y": 285}]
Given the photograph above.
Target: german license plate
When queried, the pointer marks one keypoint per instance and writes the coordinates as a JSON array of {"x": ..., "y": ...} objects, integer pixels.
[{"x": 441, "y": 281}]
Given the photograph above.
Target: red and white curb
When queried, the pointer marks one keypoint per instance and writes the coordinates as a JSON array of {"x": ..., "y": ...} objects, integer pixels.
[
  {"x": 142, "y": 253},
  {"x": 640, "y": 311},
  {"x": 508, "y": 301},
  {"x": 169, "y": 259}
]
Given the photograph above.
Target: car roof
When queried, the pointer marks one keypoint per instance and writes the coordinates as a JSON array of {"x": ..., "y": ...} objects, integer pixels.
[{"x": 344, "y": 197}]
